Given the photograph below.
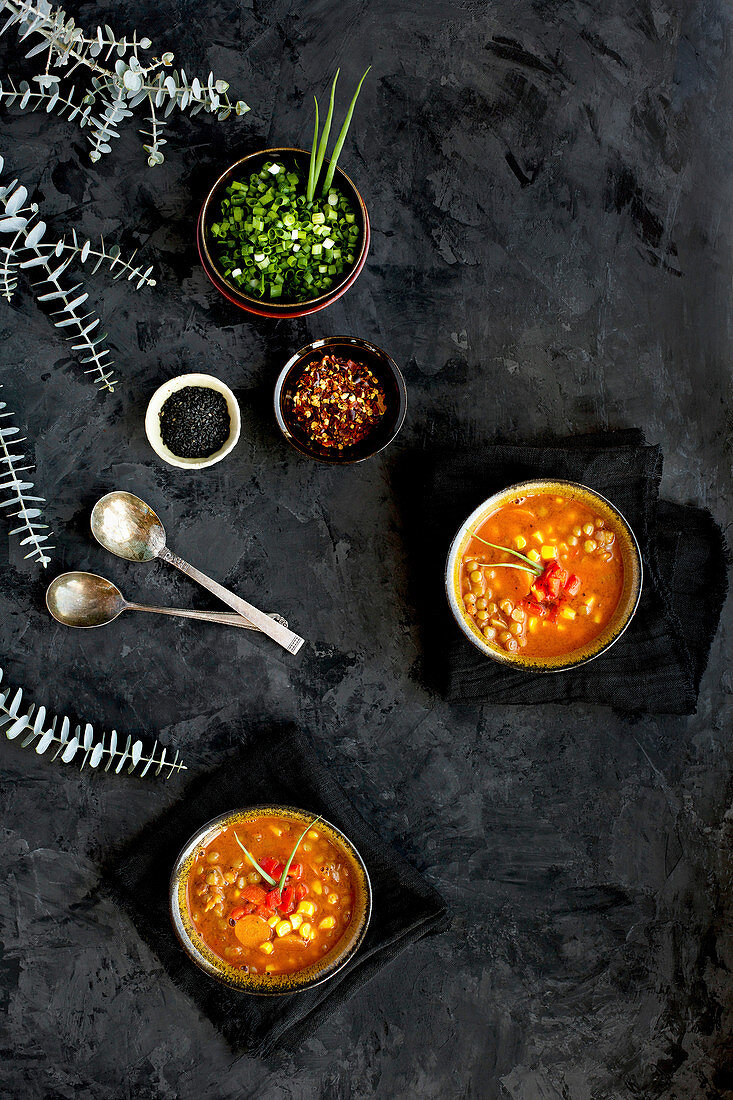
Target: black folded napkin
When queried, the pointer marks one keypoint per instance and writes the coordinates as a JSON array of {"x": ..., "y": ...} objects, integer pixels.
[
  {"x": 281, "y": 767},
  {"x": 656, "y": 666}
]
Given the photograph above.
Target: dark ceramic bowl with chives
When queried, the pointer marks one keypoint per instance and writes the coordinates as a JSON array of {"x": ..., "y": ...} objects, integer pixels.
[
  {"x": 381, "y": 367},
  {"x": 283, "y": 232},
  {"x": 220, "y": 260}
]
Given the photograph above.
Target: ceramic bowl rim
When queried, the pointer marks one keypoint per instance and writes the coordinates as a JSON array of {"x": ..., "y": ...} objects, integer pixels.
[
  {"x": 527, "y": 664},
  {"x": 325, "y": 342},
  {"x": 263, "y": 307},
  {"x": 161, "y": 395},
  {"x": 225, "y": 975}
]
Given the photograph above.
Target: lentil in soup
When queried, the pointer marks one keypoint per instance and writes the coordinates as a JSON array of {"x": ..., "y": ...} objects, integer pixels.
[
  {"x": 245, "y": 920},
  {"x": 557, "y": 611}
]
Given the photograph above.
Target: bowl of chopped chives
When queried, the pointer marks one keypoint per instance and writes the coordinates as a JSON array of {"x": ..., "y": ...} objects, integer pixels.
[{"x": 270, "y": 251}]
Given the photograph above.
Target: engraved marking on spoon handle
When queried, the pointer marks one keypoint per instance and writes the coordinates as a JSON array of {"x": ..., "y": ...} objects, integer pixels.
[{"x": 275, "y": 630}]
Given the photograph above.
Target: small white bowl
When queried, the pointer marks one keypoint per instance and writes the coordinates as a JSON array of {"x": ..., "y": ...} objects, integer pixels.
[{"x": 152, "y": 420}]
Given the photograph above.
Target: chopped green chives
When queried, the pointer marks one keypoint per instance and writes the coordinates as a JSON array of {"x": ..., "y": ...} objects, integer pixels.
[{"x": 272, "y": 243}]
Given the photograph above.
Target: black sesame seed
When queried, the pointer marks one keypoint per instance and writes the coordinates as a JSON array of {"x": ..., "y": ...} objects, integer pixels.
[{"x": 194, "y": 422}]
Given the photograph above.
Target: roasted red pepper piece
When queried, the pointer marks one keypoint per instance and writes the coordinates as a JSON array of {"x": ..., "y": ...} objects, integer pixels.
[
  {"x": 271, "y": 867},
  {"x": 551, "y": 581},
  {"x": 255, "y": 894},
  {"x": 572, "y": 584},
  {"x": 296, "y": 870},
  {"x": 300, "y": 890},
  {"x": 288, "y": 903},
  {"x": 534, "y": 608},
  {"x": 238, "y": 912},
  {"x": 273, "y": 899}
]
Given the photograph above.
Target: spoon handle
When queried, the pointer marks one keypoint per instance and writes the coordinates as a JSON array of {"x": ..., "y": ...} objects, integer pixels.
[
  {"x": 226, "y": 618},
  {"x": 279, "y": 633}
]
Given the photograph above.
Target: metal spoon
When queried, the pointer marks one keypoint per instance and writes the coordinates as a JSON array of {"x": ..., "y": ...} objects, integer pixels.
[
  {"x": 85, "y": 600},
  {"x": 128, "y": 527}
]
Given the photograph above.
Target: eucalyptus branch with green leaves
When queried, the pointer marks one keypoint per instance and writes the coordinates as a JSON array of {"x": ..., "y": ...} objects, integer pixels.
[
  {"x": 28, "y": 251},
  {"x": 121, "y": 79},
  {"x": 19, "y": 504},
  {"x": 28, "y": 725}
]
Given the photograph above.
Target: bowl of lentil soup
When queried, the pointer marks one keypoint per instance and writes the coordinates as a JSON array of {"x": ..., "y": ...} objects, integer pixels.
[
  {"x": 238, "y": 927},
  {"x": 216, "y": 237},
  {"x": 340, "y": 400},
  {"x": 544, "y": 575}
]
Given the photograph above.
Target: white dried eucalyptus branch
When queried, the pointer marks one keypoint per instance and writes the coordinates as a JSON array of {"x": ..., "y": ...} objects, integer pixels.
[
  {"x": 33, "y": 533},
  {"x": 28, "y": 251},
  {"x": 81, "y": 746},
  {"x": 120, "y": 80}
]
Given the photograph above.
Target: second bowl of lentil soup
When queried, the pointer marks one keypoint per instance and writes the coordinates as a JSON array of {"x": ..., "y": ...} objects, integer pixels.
[
  {"x": 340, "y": 400},
  {"x": 544, "y": 575},
  {"x": 238, "y": 926}
]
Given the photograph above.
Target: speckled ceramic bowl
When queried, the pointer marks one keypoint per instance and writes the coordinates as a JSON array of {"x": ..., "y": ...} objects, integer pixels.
[
  {"x": 269, "y": 984},
  {"x": 159, "y": 398},
  {"x": 628, "y": 602}
]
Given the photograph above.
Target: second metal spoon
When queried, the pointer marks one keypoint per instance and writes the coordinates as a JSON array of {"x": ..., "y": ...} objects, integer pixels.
[
  {"x": 128, "y": 527},
  {"x": 85, "y": 600}
]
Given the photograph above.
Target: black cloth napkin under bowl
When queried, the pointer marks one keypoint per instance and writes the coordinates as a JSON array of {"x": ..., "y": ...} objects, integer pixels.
[
  {"x": 656, "y": 666},
  {"x": 282, "y": 766}
]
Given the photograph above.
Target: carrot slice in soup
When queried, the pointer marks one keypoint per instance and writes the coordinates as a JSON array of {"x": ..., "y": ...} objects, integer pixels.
[{"x": 251, "y": 931}]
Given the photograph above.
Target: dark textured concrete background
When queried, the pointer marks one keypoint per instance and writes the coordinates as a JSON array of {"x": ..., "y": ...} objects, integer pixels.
[{"x": 549, "y": 199}]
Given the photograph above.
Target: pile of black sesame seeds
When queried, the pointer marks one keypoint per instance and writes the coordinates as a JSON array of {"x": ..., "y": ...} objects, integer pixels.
[{"x": 194, "y": 422}]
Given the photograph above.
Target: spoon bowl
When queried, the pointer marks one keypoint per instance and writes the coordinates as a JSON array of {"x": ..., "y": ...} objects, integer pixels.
[
  {"x": 127, "y": 527},
  {"x": 84, "y": 600}
]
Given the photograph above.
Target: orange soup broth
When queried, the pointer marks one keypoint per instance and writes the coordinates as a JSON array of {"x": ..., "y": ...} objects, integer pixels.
[
  {"x": 551, "y": 521},
  {"x": 221, "y": 876}
]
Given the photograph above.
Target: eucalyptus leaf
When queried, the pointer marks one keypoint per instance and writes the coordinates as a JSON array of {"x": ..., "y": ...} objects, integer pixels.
[
  {"x": 12, "y": 225},
  {"x": 27, "y": 724},
  {"x": 34, "y": 534},
  {"x": 16, "y": 200}
]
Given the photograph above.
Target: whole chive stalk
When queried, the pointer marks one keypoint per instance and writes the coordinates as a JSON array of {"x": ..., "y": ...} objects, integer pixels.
[
  {"x": 341, "y": 138},
  {"x": 255, "y": 864},
  {"x": 281, "y": 884},
  {"x": 507, "y": 550},
  {"x": 528, "y": 568},
  {"x": 315, "y": 168},
  {"x": 310, "y": 191}
]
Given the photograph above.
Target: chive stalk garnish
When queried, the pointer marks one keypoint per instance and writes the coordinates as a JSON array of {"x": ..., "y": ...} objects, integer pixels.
[
  {"x": 317, "y": 157},
  {"x": 506, "y": 550},
  {"x": 281, "y": 884},
  {"x": 311, "y": 186},
  {"x": 530, "y": 567},
  {"x": 255, "y": 864},
  {"x": 342, "y": 137},
  {"x": 316, "y": 170}
]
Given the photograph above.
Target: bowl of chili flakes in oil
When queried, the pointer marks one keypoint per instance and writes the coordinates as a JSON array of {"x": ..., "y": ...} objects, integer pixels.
[{"x": 340, "y": 400}]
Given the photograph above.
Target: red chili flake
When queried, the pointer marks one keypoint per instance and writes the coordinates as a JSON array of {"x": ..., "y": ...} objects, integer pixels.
[{"x": 337, "y": 402}]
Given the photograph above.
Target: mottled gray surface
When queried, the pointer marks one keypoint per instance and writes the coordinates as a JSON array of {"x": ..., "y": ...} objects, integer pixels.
[{"x": 549, "y": 199}]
